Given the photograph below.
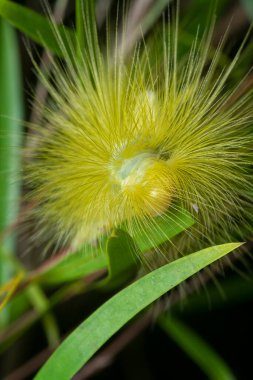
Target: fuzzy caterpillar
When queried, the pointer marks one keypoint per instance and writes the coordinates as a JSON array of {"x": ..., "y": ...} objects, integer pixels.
[{"x": 123, "y": 142}]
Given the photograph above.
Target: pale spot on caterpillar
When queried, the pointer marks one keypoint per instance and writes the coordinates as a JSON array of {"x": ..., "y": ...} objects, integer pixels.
[{"x": 144, "y": 179}]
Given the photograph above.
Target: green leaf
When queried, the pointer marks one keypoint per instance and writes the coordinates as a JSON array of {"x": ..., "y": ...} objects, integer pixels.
[
  {"x": 28, "y": 317},
  {"x": 86, "y": 339},
  {"x": 41, "y": 304},
  {"x": 80, "y": 24},
  {"x": 90, "y": 259},
  {"x": 164, "y": 228},
  {"x": 73, "y": 266},
  {"x": 32, "y": 293},
  {"x": 39, "y": 28},
  {"x": 122, "y": 260},
  {"x": 199, "y": 351},
  {"x": 11, "y": 112}
]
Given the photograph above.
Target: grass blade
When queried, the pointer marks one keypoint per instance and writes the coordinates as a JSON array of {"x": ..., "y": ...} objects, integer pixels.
[
  {"x": 39, "y": 28},
  {"x": 11, "y": 110},
  {"x": 86, "y": 339}
]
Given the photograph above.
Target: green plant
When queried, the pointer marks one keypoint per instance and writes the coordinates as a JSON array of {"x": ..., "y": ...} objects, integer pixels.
[{"x": 142, "y": 154}]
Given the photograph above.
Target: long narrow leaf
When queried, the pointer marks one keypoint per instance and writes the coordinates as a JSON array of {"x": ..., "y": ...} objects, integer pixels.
[
  {"x": 91, "y": 259},
  {"x": 10, "y": 139},
  {"x": 39, "y": 28},
  {"x": 86, "y": 339},
  {"x": 163, "y": 230}
]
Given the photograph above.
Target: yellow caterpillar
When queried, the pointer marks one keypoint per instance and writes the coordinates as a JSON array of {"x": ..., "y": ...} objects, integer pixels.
[{"x": 125, "y": 141}]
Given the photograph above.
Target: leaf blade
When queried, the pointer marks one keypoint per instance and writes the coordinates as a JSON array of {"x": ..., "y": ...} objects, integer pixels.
[
  {"x": 86, "y": 339},
  {"x": 119, "y": 271},
  {"x": 39, "y": 28},
  {"x": 81, "y": 263},
  {"x": 165, "y": 228},
  {"x": 11, "y": 110}
]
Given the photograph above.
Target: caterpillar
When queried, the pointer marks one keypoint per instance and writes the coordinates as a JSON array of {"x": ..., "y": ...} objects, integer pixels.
[{"x": 124, "y": 140}]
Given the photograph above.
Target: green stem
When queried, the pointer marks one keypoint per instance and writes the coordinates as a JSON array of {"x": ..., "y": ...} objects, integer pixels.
[{"x": 11, "y": 112}]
